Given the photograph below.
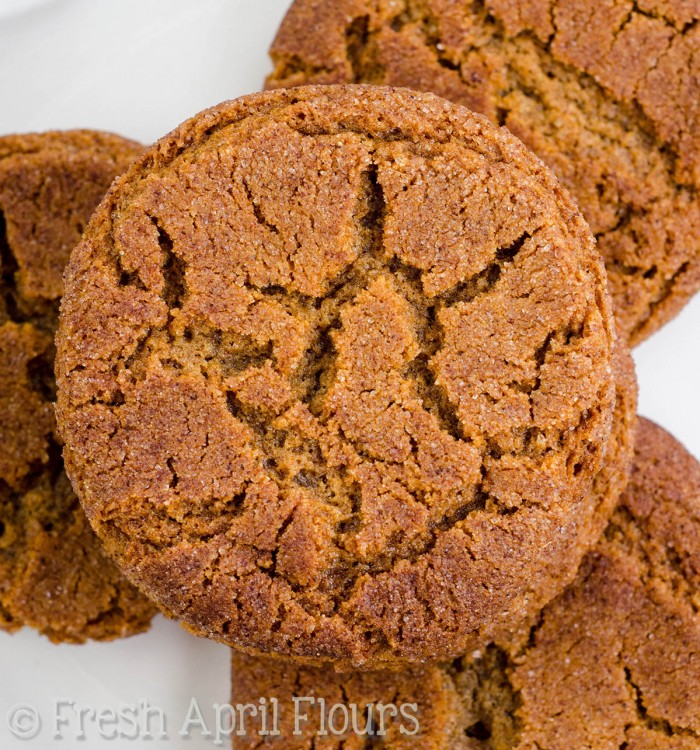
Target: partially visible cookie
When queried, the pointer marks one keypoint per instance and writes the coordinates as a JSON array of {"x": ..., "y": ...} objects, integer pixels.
[
  {"x": 53, "y": 574},
  {"x": 335, "y": 374},
  {"x": 290, "y": 698},
  {"x": 616, "y": 659},
  {"x": 605, "y": 92},
  {"x": 614, "y": 662}
]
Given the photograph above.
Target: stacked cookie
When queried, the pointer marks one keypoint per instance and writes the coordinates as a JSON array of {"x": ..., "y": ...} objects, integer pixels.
[
  {"x": 340, "y": 383},
  {"x": 304, "y": 424},
  {"x": 605, "y": 93}
]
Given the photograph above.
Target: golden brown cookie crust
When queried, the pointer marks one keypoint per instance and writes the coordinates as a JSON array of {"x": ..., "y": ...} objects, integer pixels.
[
  {"x": 613, "y": 662},
  {"x": 606, "y": 93},
  {"x": 53, "y": 574},
  {"x": 327, "y": 359},
  {"x": 467, "y": 705},
  {"x": 608, "y": 485}
]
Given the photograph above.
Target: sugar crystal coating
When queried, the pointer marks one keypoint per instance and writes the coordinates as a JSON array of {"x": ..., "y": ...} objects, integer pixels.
[{"x": 335, "y": 376}]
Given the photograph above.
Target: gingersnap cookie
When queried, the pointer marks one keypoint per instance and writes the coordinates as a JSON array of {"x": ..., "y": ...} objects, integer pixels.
[
  {"x": 293, "y": 707},
  {"x": 605, "y": 93},
  {"x": 53, "y": 574},
  {"x": 335, "y": 376},
  {"x": 613, "y": 662}
]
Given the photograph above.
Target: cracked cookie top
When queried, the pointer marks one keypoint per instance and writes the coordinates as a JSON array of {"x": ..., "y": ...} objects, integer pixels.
[
  {"x": 605, "y": 92},
  {"x": 335, "y": 375},
  {"x": 53, "y": 574},
  {"x": 614, "y": 662}
]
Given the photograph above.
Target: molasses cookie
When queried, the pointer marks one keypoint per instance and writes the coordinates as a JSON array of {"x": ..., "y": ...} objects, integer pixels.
[
  {"x": 53, "y": 574},
  {"x": 612, "y": 662},
  {"x": 606, "y": 93},
  {"x": 335, "y": 376}
]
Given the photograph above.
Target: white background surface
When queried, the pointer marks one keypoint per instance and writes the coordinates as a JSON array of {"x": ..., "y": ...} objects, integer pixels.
[{"x": 140, "y": 67}]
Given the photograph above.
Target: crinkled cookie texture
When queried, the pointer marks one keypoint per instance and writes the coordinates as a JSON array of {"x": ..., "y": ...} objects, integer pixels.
[
  {"x": 614, "y": 662},
  {"x": 605, "y": 92},
  {"x": 335, "y": 376},
  {"x": 53, "y": 574},
  {"x": 468, "y": 704}
]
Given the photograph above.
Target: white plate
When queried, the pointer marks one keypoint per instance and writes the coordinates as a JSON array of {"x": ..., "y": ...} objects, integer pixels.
[{"x": 138, "y": 68}]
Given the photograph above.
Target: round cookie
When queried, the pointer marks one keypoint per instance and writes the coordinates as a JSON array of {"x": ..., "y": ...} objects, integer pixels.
[
  {"x": 605, "y": 93},
  {"x": 612, "y": 662},
  {"x": 53, "y": 574},
  {"x": 335, "y": 375}
]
